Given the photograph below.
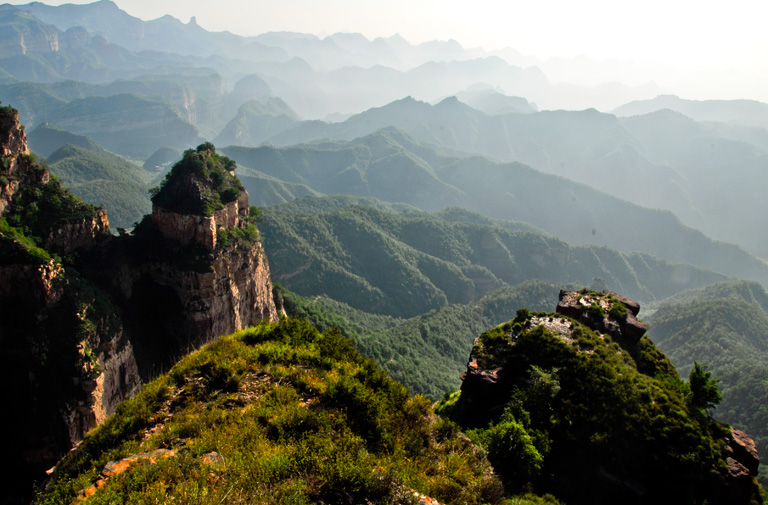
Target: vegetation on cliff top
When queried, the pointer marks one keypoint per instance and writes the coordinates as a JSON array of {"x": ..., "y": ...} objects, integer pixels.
[
  {"x": 37, "y": 208},
  {"x": 201, "y": 183},
  {"x": 577, "y": 415}
]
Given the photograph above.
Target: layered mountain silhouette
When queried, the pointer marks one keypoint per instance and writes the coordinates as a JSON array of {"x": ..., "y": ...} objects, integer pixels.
[{"x": 392, "y": 166}]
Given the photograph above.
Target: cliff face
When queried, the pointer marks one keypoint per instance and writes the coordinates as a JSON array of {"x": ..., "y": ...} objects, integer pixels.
[
  {"x": 13, "y": 173},
  {"x": 194, "y": 229},
  {"x": 81, "y": 234},
  {"x": 187, "y": 307},
  {"x": 29, "y": 37},
  {"x": 68, "y": 359},
  {"x": 79, "y": 336}
]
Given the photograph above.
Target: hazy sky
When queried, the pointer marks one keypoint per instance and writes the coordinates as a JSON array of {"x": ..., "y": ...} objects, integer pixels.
[{"x": 724, "y": 43}]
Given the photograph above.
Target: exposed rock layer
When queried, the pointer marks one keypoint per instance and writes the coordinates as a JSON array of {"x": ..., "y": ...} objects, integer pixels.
[{"x": 576, "y": 305}]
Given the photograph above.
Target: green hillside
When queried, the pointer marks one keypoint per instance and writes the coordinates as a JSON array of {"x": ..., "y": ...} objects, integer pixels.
[
  {"x": 428, "y": 352},
  {"x": 127, "y": 124},
  {"x": 104, "y": 179},
  {"x": 725, "y": 326},
  {"x": 48, "y": 138},
  {"x": 708, "y": 174},
  {"x": 270, "y": 190},
  {"x": 413, "y": 262},
  {"x": 391, "y": 166},
  {"x": 256, "y": 122}
]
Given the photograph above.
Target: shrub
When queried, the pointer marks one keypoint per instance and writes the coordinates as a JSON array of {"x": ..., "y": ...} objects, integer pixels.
[
  {"x": 595, "y": 311},
  {"x": 618, "y": 312}
]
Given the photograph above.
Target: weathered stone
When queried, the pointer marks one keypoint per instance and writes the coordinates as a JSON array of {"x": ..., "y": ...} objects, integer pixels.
[
  {"x": 738, "y": 484},
  {"x": 744, "y": 450},
  {"x": 576, "y": 304},
  {"x": 82, "y": 235}
]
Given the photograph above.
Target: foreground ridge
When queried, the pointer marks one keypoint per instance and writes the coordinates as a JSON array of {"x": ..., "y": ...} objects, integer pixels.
[{"x": 275, "y": 411}]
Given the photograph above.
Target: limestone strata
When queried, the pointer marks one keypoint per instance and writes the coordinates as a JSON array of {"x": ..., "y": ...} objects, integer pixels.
[
  {"x": 13, "y": 141},
  {"x": 81, "y": 235},
  {"x": 35, "y": 285},
  {"x": 117, "y": 380},
  {"x": 16, "y": 169},
  {"x": 193, "y": 229},
  {"x": 234, "y": 294}
]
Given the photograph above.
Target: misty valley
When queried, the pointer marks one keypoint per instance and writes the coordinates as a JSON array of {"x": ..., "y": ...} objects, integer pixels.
[{"x": 287, "y": 268}]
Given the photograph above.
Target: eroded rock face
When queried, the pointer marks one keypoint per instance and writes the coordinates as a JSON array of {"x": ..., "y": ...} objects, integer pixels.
[
  {"x": 15, "y": 169},
  {"x": 194, "y": 229},
  {"x": 234, "y": 293},
  {"x": 744, "y": 450},
  {"x": 81, "y": 235}
]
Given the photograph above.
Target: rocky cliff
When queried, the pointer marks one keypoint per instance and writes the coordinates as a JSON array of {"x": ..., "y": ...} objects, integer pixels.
[
  {"x": 580, "y": 404},
  {"x": 189, "y": 229},
  {"x": 195, "y": 267},
  {"x": 80, "y": 333},
  {"x": 13, "y": 148},
  {"x": 67, "y": 356}
]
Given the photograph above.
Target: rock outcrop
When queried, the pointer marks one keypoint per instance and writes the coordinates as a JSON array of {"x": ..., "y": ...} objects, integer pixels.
[
  {"x": 79, "y": 235},
  {"x": 595, "y": 311},
  {"x": 189, "y": 229},
  {"x": 15, "y": 171},
  {"x": 586, "y": 382},
  {"x": 184, "y": 285}
]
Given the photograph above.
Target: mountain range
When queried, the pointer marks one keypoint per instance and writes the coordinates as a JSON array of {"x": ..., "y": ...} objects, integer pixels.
[
  {"x": 392, "y": 166},
  {"x": 413, "y": 198}
]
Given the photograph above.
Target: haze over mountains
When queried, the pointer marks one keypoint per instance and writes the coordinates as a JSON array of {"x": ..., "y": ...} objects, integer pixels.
[
  {"x": 180, "y": 84},
  {"x": 662, "y": 176},
  {"x": 342, "y": 73}
]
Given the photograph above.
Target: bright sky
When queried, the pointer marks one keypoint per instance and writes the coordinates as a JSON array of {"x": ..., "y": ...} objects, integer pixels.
[{"x": 728, "y": 38}]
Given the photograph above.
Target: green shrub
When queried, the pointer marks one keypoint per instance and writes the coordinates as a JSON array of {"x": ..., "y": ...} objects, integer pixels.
[
  {"x": 595, "y": 311},
  {"x": 618, "y": 312}
]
